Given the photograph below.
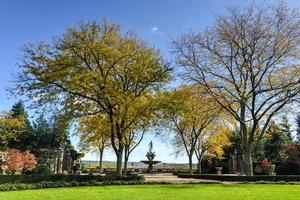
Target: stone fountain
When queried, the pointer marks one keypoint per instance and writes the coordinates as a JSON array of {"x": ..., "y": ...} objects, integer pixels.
[{"x": 150, "y": 156}]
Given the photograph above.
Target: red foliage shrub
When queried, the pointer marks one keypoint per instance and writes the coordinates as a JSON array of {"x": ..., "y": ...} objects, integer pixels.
[
  {"x": 29, "y": 161},
  {"x": 266, "y": 164},
  {"x": 16, "y": 161},
  {"x": 13, "y": 161}
]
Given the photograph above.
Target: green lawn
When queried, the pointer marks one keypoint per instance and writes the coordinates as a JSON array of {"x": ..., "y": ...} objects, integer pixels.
[{"x": 162, "y": 192}]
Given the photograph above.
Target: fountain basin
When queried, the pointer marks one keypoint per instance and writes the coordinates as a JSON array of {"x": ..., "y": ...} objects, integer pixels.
[{"x": 147, "y": 162}]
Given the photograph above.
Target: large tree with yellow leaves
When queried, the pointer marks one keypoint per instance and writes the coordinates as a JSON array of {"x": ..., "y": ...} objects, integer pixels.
[
  {"x": 94, "y": 134},
  {"x": 195, "y": 118},
  {"x": 95, "y": 68}
]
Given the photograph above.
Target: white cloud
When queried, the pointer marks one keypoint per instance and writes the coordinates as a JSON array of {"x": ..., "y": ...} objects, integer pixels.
[{"x": 155, "y": 30}]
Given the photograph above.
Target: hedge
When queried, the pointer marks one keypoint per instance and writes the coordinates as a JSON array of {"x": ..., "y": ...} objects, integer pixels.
[
  {"x": 65, "y": 178},
  {"x": 57, "y": 184},
  {"x": 278, "y": 178}
]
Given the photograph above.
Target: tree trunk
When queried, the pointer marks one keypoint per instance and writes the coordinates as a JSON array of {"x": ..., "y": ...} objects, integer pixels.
[
  {"x": 118, "y": 147},
  {"x": 101, "y": 150},
  {"x": 119, "y": 155},
  {"x": 247, "y": 162},
  {"x": 191, "y": 164},
  {"x": 247, "y": 150},
  {"x": 199, "y": 170},
  {"x": 125, "y": 164}
]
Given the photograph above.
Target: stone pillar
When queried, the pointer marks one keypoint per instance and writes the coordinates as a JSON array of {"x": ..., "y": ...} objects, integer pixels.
[{"x": 60, "y": 155}]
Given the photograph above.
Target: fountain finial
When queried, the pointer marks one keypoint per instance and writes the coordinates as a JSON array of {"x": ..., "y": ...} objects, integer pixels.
[
  {"x": 150, "y": 154},
  {"x": 150, "y": 146}
]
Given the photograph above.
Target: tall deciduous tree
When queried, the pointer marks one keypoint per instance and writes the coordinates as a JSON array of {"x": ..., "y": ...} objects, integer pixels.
[
  {"x": 95, "y": 68},
  {"x": 139, "y": 126},
  {"x": 132, "y": 140},
  {"x": 190, "y": 112},
  {"x": 94, "y": 132},
  {"x": 248, "y": 62}
]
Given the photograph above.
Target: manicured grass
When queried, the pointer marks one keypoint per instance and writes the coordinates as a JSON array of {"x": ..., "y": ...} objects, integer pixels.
[{"x": 162, "y": 192}]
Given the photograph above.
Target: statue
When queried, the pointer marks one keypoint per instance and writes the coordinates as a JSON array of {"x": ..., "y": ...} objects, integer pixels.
[{"x": 150, "y": 154}]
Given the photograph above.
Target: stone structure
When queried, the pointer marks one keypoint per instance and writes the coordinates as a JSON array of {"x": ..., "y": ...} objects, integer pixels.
[
  {"x": 150, "y": 156},
  {"x": 60, "y": 160}
]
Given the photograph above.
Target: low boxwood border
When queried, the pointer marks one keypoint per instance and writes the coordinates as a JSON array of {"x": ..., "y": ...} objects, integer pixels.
[
  {"x": 279, "y": 178},
  {"x": 65, "y": 178},
  {"x": 60, "y": 184}
]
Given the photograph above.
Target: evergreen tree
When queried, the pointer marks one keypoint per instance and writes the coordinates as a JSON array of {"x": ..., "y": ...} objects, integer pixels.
[
  {"x": 60, "y": 130},
  {"x": 42, "y": 133},
  {"x": 49, "y": 134},
  {"x": 285, "y": 127},
  {"x": 24, "y": 140},
  {"x": 274, "y": 144}
]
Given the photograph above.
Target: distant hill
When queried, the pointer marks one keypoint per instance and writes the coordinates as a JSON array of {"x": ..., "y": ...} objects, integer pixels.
[{"x": 112, "y": 164}]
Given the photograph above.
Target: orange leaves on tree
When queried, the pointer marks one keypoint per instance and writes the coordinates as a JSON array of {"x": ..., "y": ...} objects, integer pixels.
[
  {"x": 13, "y": 160},
  {"x": 19, "y": 161},
  {"x": 29, "y": 161}
]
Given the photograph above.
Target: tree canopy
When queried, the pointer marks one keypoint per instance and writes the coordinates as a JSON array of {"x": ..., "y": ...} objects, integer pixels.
[
  {"x": 248, "y": 62},
  {"x": 10, "y": 127},
  {"x": 196, "y": 119},
  {"x": 95, "y": 68}
]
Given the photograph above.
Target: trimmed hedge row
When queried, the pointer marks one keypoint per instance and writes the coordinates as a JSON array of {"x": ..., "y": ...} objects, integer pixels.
[
  {"x": 278, "y": 178},
  {"x": 58, "y": 184},
  {"x": 65, "y": 178}
]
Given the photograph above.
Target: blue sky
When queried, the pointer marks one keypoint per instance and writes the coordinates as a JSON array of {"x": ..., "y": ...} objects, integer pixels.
[{"x": 156, "y": 21}]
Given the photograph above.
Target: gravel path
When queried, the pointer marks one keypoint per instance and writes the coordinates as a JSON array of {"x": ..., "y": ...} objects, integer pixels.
[{"x": 170, "y": 178}]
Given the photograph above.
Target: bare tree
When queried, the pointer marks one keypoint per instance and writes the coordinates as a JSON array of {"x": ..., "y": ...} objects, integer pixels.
[{"x": 248, "y": 62}]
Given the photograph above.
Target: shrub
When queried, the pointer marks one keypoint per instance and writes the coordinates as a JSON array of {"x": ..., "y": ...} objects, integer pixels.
[
  {"x": 16, "y": 161},
  {"x": 286, "y": 168},
  {"x": 266, "y": 164},
  {"x": 43, "y": 169},
  {"x": 84, "y": 170},
  {"x": 57, "y": 184},
  {"x": 256, "y": 178},
  {"x": 67, "y": 178},
  {"x": 28, "y": 161}
]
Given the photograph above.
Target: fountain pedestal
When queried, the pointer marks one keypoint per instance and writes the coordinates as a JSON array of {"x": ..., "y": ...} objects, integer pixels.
[{"x": 150, "y": 164}]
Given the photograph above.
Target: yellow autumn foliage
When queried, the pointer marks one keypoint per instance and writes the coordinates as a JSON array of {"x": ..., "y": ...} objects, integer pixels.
[{"x": 10, "y": 127}]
